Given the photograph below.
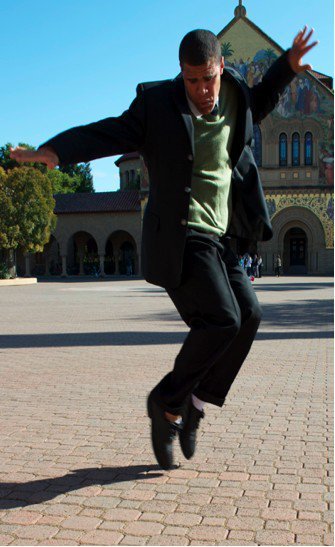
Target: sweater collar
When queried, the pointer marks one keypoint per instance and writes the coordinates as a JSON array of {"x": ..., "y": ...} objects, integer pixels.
[{"x": 196, "y": 112}]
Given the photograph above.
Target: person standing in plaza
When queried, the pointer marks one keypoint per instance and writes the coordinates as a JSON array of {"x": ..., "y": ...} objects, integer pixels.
[
  {"x": 260, "y": 265},
  {"x": 254, "y": 266},
  {"x": 194, "y": 133},
  {"x": 249, "y": 265},
  {"x": 278, "y": 265}
]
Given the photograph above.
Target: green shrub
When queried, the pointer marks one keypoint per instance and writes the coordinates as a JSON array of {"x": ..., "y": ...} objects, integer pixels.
[{"x": 4, "y": 271}]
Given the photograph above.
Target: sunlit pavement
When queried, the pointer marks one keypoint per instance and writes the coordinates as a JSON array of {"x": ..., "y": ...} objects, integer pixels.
[{"x": 77, "y": 360}]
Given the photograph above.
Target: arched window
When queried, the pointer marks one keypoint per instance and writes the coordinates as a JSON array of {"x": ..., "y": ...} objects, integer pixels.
[
  {"x": 308, "y": 148},
  {"x": 257, "y": 147},
  {"x": 295, "y": 149},
  {"x": 283, "y": 149}
]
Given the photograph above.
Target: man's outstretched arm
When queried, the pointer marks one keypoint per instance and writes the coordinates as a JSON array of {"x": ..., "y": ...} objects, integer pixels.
[
  {"x": 265, "y": 95},
  {"x": 107, "y": 137}
]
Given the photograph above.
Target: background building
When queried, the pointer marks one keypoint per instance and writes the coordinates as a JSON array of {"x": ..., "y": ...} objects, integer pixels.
[{"x": 293, "y": 148}]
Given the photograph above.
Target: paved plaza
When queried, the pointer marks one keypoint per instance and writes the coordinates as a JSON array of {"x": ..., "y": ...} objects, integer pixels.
[{"x": 77, "y": 360}]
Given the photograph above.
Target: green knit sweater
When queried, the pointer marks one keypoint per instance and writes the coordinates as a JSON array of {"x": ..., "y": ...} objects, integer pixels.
[{"x": 210, "y": 203}]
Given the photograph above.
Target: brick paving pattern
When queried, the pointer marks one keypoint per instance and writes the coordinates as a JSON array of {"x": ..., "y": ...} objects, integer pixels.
[{"x": 77, "y": 360}]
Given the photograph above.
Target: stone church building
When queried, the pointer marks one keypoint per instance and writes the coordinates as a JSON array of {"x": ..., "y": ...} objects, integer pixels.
[{"x": 293, "y": 148}]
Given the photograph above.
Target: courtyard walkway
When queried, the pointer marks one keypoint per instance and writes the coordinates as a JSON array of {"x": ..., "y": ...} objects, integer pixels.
[{"x": 77, "y": 360}]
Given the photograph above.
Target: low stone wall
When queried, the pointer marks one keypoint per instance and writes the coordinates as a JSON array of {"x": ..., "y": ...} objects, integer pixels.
[{"x": 18, "y": 281}]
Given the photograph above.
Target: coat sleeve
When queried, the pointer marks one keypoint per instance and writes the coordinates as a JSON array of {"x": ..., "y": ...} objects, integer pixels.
[
  {"x": 107, "y": 137},
  {"x": 265, "y": 95}
]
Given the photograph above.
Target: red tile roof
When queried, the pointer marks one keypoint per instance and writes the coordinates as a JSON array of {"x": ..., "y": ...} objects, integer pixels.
[
  {"x": 126, "y": 157},
  {"x": 326, "y": 80},
  {"x": 99, "y": 202}
]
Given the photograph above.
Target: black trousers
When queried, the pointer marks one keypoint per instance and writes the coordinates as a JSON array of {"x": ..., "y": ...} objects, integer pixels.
[{"x": 217, "y": 301}]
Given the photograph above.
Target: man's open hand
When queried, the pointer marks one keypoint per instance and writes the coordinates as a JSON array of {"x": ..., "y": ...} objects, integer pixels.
[
  {"x": 299, "y": 48},
  {"x": 43, "y": 155}
]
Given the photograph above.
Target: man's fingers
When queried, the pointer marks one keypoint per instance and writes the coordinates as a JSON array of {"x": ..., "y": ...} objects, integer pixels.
[
  {"x": 22, "y": 154},
  {"x": 307, "y": 48},
  {"x": 303, "y": 31},
  {"x": 301, "y": 36},
  {"x": 308, "y": 36},
  {"x": 296, "y": 39}
]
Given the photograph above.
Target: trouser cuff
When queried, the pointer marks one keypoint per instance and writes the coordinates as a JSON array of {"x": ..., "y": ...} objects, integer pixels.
[
  {"x": 175, "y": 410},
  {"x": 208, "y": 398}
]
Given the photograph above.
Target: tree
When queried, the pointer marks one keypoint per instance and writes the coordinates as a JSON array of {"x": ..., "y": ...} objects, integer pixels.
[
  {"x": 82, "y": 174},
  {"x": 62, "y": 183},
  {"x": 26, "y": 210},
  {"x": 8, "y": 229},
  {"x": 226, "y": 50}
]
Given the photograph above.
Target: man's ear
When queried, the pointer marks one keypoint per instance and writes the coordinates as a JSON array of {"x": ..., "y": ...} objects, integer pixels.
[{"x": 221, "y": 65}]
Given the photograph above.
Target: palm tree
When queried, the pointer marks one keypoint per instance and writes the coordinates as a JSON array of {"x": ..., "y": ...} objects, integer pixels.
[{"x": 226, "y": 50}]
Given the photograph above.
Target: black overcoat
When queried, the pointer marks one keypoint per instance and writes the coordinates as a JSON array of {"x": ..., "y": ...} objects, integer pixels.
[{"x": 158, "y": 124}]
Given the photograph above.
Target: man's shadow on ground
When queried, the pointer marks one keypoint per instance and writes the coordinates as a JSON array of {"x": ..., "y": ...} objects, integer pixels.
[{"x": 13, "y": 494}]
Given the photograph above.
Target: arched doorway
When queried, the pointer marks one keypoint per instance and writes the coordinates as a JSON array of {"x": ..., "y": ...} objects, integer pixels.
[
  {"x": 127, "y": 258},
  {"x": 313, "y": 236},
  {"x": 121, "y": 254},
  {"x": 83, "y": 258},
  {"x": 295, "y": 251}
]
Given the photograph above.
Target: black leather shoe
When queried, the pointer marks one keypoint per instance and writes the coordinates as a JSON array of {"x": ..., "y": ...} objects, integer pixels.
[
  {"x": 163, "y": 433},
  {"x": 188, "y": 434}
]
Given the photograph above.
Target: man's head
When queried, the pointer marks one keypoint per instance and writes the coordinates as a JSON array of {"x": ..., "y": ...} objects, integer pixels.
[{"x": 201, "y": 64}]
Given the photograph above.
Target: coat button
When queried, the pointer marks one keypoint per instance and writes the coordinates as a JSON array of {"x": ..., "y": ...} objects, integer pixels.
[
  {"x": 187, "y": 189},
  {"x": 183, "y": 221},
  {"x": 190, "y": 157}
]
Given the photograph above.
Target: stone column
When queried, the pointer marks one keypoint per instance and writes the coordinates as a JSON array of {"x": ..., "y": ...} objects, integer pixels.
[
  {"x": 27, "y": 264},
  {"x": 117, "y": 260},
  {"x": 47, "y": 260},
  {"x": 81, "y": 262},
  {"x": 64, "y": 272},
  {"x": 102, "y": 265},
  {"x": 47, "y": 265}
]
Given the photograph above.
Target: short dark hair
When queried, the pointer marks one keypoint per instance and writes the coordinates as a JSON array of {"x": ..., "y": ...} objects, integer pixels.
[{"x": 198, "y": 47}]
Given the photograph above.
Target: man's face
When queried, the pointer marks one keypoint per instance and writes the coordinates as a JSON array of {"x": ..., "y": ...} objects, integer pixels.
[{"x": 202, "y": 84}]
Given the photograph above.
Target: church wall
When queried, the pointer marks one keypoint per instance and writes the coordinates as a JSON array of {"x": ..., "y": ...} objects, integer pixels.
[
  {"x": 326, "y": 262},
  {"x": 292, "y": 189}
]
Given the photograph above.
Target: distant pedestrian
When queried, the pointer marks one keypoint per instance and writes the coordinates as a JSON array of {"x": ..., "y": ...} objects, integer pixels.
[
  {"x": 278, "y": 265},
  {"x": 260, "y": 265},
  {"x": 249, "y": 265},
  {"x": 254, "y": 266},
  {"x": 129, "y": 266}
]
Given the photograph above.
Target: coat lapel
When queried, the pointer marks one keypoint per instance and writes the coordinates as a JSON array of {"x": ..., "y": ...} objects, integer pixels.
[{"x": 181, "y": 102}]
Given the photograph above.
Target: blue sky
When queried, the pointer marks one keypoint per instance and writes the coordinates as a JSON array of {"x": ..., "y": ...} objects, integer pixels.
[{"x": 70, "y": 62}]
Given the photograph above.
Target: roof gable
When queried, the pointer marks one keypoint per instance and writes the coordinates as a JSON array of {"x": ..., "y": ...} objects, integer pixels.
[{"x": 255, "y": 45}]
